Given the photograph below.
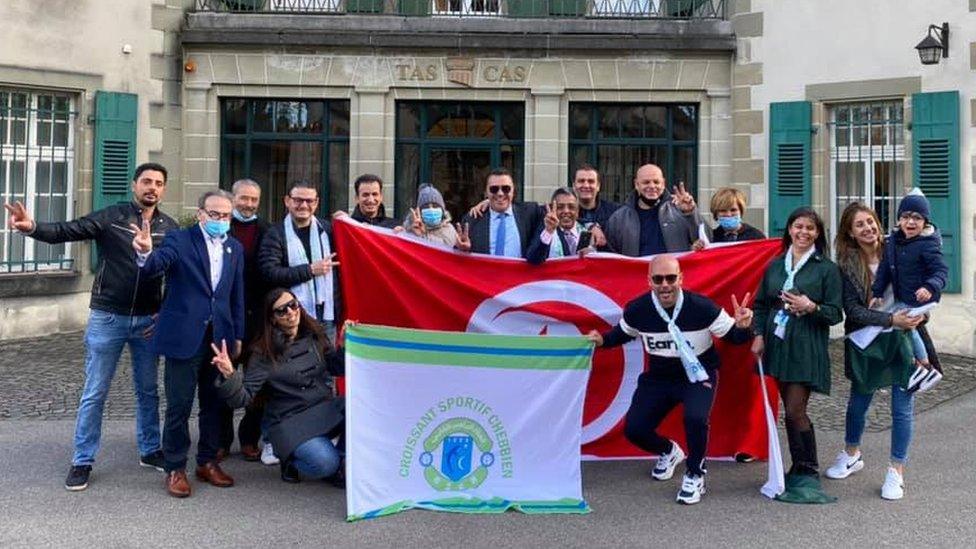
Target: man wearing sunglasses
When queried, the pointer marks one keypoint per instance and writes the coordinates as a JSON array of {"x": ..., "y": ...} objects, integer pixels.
[
  {"x": 676, "y": 328},
  {"x": 298, "y": 254},
  {"x": 204, "y": 304},
  {"x": 507, "y": 229},
  {"x": 653, "y": 220}
]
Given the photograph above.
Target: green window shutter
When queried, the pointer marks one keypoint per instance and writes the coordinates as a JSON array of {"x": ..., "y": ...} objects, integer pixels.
[
  {"x": 935, "y": 169},
  {"x": 414, "y": 7},
  {"x": 115, "y": 150},
  {"x": 115, "y": 146},
  {"x": 789, "y": 161}
]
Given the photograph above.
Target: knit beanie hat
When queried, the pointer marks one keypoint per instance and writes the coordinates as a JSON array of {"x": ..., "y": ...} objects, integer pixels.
[
  {"x": 916, "y": 202},
  {"x": 427, "y": 194}
]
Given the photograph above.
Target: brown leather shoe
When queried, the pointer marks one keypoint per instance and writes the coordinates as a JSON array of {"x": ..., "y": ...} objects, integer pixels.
[
  {"x": 177, "y": 485},
  {"x": 212, "y": 473},
  {"x": 250, "y": 452}
]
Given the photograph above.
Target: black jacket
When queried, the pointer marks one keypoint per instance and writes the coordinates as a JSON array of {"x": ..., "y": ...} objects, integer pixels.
[
  {"x": 527, "y": 217},
  {"x": 599, "y": 215},
  {"x": 748, "y": 232},
  {"x": 380, "y": 220},
  {"x": 273, "y": 262},
  {"x": 118, "y": 287},
  {"x": 302, "y": 401}
]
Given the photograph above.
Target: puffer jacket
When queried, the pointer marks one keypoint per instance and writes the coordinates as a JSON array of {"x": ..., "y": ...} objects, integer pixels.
[{"x": 910, "y": 264}]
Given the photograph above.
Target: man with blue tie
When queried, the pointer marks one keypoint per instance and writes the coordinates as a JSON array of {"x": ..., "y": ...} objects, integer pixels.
[
  {"x": 507, "y": 229},
  {"x": 204, "y": 304}
]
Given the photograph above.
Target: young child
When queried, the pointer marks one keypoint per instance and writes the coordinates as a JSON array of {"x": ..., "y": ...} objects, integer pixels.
[{"x": 913, "y": 264}]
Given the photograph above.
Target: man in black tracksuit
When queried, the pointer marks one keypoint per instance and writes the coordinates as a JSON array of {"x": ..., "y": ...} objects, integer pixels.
[
  {"x": 123, "y": 307},
  {"x": 667, "y": 383}
]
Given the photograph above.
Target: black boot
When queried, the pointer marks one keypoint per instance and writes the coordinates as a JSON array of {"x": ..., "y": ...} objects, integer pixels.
[
  {"x": 809, "y": 464},
  {"x": 338, "y": 479},
  {"x": 289, "y": 473},
  {"x": 796, "y": 448}
]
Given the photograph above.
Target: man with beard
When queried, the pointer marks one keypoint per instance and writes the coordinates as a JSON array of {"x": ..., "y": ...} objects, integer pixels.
[
  {"x": 653, "y": 221},
  {"x": 123, "y": 310}
]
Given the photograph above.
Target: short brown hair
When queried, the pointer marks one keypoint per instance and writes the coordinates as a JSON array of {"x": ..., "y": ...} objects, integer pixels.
[{"x": 726, "y": 198}]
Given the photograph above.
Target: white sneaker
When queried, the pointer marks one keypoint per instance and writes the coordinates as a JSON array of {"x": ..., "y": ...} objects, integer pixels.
[
  {"x": 667, "y": 462},
  {"x": 267, "y": 455},
  {"x": 692, "y": 489},
  {"x": 845, "y": 466},
  {"x": 894, "y": 485}
]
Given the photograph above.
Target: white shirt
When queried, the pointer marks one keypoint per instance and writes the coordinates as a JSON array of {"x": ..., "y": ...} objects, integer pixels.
[
  {"x": 215, "y": 249},
  {"x": 547, "y": 237}
]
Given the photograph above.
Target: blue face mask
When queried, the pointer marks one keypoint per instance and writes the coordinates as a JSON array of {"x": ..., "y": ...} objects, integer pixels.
[
  {"x": 432, "y": 217},
  {"x": 216, "y": 228},
  {"x": 240, "y": 217},
  {"x": 730, "y": 223}
]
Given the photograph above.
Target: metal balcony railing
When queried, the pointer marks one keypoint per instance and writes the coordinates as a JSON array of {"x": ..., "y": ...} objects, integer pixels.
[{"x": 574, "y": 9}]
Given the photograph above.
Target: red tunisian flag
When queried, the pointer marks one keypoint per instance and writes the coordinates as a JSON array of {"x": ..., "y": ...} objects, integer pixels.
[{"x": 397, "y": 280}]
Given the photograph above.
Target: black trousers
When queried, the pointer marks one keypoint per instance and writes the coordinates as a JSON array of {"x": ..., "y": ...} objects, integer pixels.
[
  {"x": 654, "y": 399},
  {"x": 183, "y": 378},
  {"x": 249, "y": 429}
]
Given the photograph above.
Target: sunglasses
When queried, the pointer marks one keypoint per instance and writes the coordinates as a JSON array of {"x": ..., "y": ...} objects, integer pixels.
[
  {"x": 495, "y": 189},
  {"x": 660, "y": 279},
  {"x": 286, "y": 308}
]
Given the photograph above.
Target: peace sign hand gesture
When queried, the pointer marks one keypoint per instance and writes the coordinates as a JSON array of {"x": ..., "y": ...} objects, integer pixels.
[
  {"x": 741, "y": 313},
  {"x": 19, "y": 220},
  {"x": 463, "y": 237},
  {"x": 417, "y": 223},
  {"x": 142, "y": 241},
  {"x": 550, "y": 221},
  {"x": 221, "y": 359},
  {"x": 682, "y": 198}
]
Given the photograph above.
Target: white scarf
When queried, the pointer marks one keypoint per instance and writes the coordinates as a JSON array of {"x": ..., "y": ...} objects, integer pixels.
[
  {"x": 693, "y": 367},
  {"x": 782, "y": 318},
  {"x": 318, "y": 289}
]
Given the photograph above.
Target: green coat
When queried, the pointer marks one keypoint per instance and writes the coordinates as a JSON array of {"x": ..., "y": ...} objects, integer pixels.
[{"x": 801, "y": 356}]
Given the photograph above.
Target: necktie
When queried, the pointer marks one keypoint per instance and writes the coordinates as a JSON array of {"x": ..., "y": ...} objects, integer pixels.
[
  {"x": 500, "y": 235},
  {"x": 571, "y": 242}
]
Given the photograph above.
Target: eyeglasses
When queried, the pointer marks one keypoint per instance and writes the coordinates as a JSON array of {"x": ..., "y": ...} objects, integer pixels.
[
  {"x": 286, "y": 308},
  {"x": 217, "y": 216},
  {"x": 495, "y": 189},
  {"x": 913, "y": 216},
  {"x": 300, "y": 201},
  {"x": 660, "y": 279}
]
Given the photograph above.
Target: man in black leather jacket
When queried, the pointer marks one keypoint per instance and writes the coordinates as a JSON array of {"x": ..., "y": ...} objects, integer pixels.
[{"x": 122, "y": 306}]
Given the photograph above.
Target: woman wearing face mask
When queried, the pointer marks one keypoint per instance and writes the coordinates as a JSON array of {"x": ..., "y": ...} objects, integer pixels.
[
  {"x": 430, "y": 220},
  {"x": 886, "y": 362},
  {"x": 798, "y": 300},
  {"x": 728, "y": 205},
  {"x": 294, "y": 361}
]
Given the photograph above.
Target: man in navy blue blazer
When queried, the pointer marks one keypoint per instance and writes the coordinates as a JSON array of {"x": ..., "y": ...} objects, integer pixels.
[{"x": 204, "y": 304}]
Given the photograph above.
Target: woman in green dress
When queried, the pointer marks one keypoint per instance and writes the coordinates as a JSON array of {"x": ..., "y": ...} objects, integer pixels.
[
  {"x": 799, "y": 298},
  {"x": 886, "y": 362}
]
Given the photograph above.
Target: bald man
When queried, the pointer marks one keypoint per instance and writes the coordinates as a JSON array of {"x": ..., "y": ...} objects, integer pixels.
[
  {"x": 676, "y": 328},
  {"x": 653, "y": 221}
]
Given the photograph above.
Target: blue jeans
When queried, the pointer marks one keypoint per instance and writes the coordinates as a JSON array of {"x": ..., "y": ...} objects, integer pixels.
[
  {"x": 105, "y": 336},
  {"x": 902, "y": 410},
  {"x": 316, "y": 458}
]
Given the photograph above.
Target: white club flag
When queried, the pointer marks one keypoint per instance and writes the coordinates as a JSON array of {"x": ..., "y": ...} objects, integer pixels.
[{"x": 463, "y": 422}]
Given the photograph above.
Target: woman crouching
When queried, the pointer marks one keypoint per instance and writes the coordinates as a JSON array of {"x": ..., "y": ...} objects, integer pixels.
[{"x": 294, "y": 360}]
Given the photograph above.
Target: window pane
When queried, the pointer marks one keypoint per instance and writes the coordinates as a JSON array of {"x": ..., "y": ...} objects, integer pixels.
[
  {"x": 684, "y": 126},
  {"x": 275, "y": 164},
  {"x": 579, "y": 121},
  {"x": 59, "y": 178},
  {"x": 235, "y": 115},
  {"x": 631, "y": 121},
  {"x": 580, "y": 154},
  {"x": 655, "y": 121},
  {"x": 609, "y": 120},
  {"x": 339, "y": 118},
  {"x": 407, "y": 176},
  {"x": 263, "y": 116},
  {"x": 408, "y": 120},
  {"x": 235, "y": 167},
  {"x": 338, "y": 178},
  {"x": 513, "y": 121},
  {"x": 18, "y": 177},
  {"x": 684, "y": 169},
  {"x": 42, "y": 178}
]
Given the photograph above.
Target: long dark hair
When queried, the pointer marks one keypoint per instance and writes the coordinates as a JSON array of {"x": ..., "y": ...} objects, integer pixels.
[
  {"x": 269, "y": 344},
  {"x": 820, "y": 243}
]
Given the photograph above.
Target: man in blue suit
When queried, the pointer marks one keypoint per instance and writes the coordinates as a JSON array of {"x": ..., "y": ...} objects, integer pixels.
[{"x": 204, "y": 304}]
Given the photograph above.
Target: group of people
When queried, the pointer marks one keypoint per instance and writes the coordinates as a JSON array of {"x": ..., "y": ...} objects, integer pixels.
[{"x": 240, "y": 291}]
